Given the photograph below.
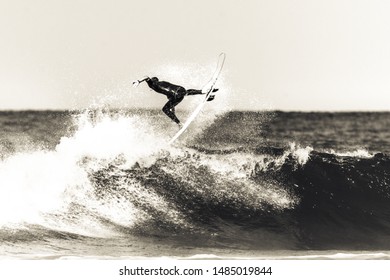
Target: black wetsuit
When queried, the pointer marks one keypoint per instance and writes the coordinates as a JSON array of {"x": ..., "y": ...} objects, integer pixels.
[{"x": 174, "y": 93}]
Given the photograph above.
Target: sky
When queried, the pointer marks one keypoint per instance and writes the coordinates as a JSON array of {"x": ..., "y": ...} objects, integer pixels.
[{"x": 331, "y": 55}]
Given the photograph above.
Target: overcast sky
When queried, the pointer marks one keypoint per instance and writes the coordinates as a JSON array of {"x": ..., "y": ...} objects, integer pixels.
[{"x": 281, "y": 54}]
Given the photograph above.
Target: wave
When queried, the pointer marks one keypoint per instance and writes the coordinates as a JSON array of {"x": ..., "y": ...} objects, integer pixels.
[{"x": 117, "y": 176}]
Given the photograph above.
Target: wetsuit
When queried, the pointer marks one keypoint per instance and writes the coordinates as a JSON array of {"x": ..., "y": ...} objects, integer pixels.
[{"x": 174, "y": 93}]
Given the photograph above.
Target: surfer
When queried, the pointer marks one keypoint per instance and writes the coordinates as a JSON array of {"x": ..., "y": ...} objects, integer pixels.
[{"x": 174, "y": 93}]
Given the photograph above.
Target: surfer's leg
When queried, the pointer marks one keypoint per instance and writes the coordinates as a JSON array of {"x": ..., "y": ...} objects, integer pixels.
[
  {"x": 197, "y": 91},
  {"x": 169, "y": 109},
  {"x": 193, "y": 91}
]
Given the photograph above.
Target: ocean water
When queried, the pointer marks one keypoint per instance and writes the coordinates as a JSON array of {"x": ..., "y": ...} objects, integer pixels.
[{"x": 268, "y": 185}]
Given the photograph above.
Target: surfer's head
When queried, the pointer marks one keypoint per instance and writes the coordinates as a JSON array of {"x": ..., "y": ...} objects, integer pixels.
[{"x": 154, "y": 79}]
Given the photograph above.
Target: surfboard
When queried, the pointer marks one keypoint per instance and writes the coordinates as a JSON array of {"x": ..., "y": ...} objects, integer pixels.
[{"x": 207, "y": 89}]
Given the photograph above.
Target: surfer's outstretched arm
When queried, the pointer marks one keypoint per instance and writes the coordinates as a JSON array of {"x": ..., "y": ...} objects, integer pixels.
[
  {"x": 137, "y": 82},
  {"x": 144, "y": 79}
]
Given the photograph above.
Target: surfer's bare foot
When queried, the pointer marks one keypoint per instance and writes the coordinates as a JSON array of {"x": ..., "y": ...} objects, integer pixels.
[{"x": 215, "y": 89}]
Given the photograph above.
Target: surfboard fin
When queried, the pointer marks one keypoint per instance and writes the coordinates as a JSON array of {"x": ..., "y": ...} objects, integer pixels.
[{"x": 211, "y": 98}]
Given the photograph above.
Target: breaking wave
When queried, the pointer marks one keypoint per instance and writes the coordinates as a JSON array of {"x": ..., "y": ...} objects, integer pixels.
[{"x": 116, "y": 175}]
